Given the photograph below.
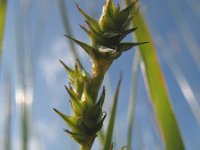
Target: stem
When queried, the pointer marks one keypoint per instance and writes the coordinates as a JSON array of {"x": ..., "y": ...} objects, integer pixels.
[
  {"x": 87, "y": 146},
  {"x": 2, "y": 22},
  {"x": 25, "y": 126},
  {"x": 99, "y": 68}
]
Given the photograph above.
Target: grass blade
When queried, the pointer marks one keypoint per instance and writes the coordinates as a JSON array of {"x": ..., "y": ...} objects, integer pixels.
[
  {"x": 157, "y": 88},
  {"x": 182, "y": 81},
  {"x": 67, "y": 27},
  {"x": 131, "y": 110},
  {"x": 7, "y": 111},
  {"x": 2, "y": 21},
  {"x": 109, "y": 95},
  {"x": 23, "y": 72},
  {"x": 111, "y": 123},
  {"x": 184, "y": 27}
]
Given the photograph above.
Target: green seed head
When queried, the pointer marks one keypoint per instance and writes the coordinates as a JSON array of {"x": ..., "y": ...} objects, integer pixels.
[
  {"x": 87, "y": 117},
  {"x": 107, "y": 33},
  {"x": 106, "y": 36}
]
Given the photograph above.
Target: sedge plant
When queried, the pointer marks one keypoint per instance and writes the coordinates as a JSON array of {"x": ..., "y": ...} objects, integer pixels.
[{"x": 106, "y": 45}]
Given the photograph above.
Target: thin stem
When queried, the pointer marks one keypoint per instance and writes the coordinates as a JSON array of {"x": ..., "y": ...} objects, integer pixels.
[
  {"x": 87, "y": 146},
  {"x": 67, "y": 27},
  {"x": 7, "y": 111},
  {"x": 25, "y": 127},
  {"x": 99, "y": 68}
]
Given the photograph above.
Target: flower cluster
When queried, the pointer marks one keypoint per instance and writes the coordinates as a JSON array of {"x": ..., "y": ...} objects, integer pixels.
[{"x": 106, "y": 36}]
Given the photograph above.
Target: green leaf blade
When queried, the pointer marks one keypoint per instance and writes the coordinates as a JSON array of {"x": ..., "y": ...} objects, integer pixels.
[
  {"x": 132, "y": 99},
  {"x": 2, "y": 21},
  {"x": 157, "y": 87},
  {"x": 108, "y": 140}
]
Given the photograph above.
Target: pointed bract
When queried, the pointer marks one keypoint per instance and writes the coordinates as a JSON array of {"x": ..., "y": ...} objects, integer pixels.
[
  {"x": 124, "y": 14},
  {"x": 127, "y": 46},
  {"x": 88, "y": 49},
  {"x": 93, "y": 22},
  {"x": 80, "y": 138},
  {"x": 72, "y": 122}
]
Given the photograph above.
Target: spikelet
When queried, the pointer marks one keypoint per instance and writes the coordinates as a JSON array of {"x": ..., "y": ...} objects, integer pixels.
[{"x": 106, "y": 36}]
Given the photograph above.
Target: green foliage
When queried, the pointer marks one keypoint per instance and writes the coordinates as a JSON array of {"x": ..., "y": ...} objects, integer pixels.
[
  {"x": 87, "y": 113},
  {"x": 156, "y": 86},
  {"x": 131, "y": 110},
  {"x": 2, "y": 21},
  {"x": 111, "y": 124}
]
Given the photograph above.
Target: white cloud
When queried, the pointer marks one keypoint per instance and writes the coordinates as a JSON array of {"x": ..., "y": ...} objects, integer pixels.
[
  {"x": 35, "y": 144},
  {"x": 46, "y": 130},
  {"x": 50, "y": 63},
  {"x": 39, "y": 136}
]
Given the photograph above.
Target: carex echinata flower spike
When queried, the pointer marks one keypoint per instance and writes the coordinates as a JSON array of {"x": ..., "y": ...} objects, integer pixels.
[{"x": 106, "y": 36}]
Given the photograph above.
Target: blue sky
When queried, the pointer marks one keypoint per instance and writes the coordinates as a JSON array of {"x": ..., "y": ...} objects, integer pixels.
[{"x": 37, "y": 26}]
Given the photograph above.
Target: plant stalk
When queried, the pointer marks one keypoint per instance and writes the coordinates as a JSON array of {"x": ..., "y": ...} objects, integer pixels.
[
  {"x": 106, "y": 35},
  {"x": 87, "y": 146},
  {"x": 98, "y": 71},
  {"x": 2, "y": 22}
]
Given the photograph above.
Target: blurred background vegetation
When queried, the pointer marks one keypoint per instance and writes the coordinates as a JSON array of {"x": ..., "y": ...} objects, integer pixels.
[{"x": 32, "y": 79}]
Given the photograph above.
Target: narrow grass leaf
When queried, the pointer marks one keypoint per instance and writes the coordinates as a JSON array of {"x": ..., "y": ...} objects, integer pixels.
[
  {"x": 110, "y": 128},
  {"x": 157, "y": 87},
  {"x": 181, "y": 79},
  {"x": 188, "y": 36},
  {"x": 2, "y": 21},
  {"x": 131, "y": 110},
  {"x": 67, "y": 26},
  {"x": 101, "y": 134},
  {"x": 7, "y": 92}
]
